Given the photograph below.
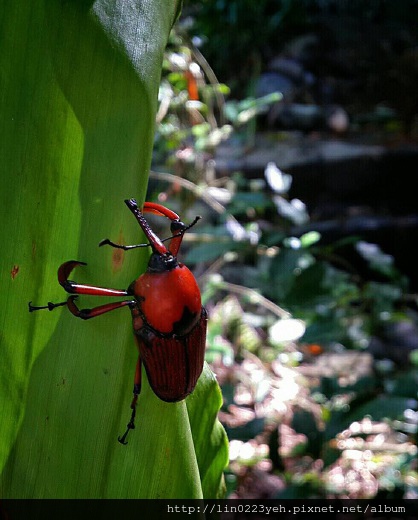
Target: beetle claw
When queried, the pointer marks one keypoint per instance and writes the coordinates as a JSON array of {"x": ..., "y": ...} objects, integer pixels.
[
  {"x": 122, "y": 439},
  {"x": 130, "y": 426}
]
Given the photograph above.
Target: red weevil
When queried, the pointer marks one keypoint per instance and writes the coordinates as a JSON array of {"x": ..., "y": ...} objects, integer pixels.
[{"x": 169, "y": 321}]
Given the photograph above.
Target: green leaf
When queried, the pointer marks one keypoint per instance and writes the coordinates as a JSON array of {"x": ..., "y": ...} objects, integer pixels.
[
  {"x": 405, "y": 384},
  {"x": 79, "y": 82},
  {"x": 212, "y": 456},
  {"x": 310, "y": 238},
  {"x": 383, "y": 407},
  {"x": 210, "y": 251}
]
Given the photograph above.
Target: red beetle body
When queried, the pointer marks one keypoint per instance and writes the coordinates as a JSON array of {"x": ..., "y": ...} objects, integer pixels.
[
  {"x": 169, "y": 300},
  {"x": 170, "y": 329},
  {"x": 174, "y": 363},
  {"x": 169, "y": 321}
]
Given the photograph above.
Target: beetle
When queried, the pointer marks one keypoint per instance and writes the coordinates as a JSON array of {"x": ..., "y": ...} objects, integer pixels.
[{"x": 169, "y": 322}]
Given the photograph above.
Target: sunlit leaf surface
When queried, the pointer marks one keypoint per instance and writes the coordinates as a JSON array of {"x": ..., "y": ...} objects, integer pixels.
[{"x": 79, "y": 84}]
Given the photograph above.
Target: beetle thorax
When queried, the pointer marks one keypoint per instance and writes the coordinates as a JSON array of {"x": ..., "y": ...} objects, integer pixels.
[{"x": 169, "y": 300}]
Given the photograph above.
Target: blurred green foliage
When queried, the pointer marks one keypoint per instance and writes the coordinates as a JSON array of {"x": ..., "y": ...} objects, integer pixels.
[
  {"x": 243, "y": 31},
  {"x": 294, "y": 320}
]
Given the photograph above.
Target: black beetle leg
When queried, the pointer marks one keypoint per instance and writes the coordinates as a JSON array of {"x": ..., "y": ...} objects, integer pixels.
[
  {"x": 137, "y": 391},
  {"x": 131, "y": 423}
]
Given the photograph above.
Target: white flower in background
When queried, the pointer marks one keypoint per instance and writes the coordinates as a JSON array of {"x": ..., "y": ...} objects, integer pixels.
[
  {"x": 295, "y": 210},
  {"x": 277, "y": 180},
  {"x": 287, "y": 330}
]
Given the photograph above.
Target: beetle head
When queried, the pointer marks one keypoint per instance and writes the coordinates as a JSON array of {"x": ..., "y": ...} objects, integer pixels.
[{"x": 158, "y": 263}]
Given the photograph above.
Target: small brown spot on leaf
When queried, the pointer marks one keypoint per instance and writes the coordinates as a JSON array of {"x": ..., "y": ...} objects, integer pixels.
[
  {"x": 118, "y": 256},
  {"x": 14, "y": 271}
]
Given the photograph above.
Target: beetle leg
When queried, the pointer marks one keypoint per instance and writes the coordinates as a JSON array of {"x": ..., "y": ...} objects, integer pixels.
[
  {"x": 86, "y": 314},
  {"x": 75, "y": 288},
  {"x": 130, "y": 425},
  {"x": 50, "y": 306},
  {"x": 158, "y": 209},
  {"x": 137, "y": 391}
]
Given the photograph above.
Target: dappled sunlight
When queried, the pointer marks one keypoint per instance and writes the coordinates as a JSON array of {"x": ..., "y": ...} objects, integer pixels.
[{"x": 313, "y": 329}]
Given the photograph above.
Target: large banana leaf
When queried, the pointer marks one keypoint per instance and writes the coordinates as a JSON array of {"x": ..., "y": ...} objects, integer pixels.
[{"x": 78, "y": 89}]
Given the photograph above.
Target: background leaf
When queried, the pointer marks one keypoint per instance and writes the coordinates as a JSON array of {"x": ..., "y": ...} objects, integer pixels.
[{"x": 79, "y": 82}]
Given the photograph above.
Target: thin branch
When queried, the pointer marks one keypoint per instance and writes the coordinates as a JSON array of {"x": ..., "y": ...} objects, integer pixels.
[
  {"x": 191, "y": 186},
  {"x": 255, "y": 297}
]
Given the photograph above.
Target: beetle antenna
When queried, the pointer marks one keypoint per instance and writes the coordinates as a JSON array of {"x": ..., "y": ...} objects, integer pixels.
[
  {"x": 195, "y": 221},
  {"x": 182, "y": 228},
  {"x": 107, "y": 242}
]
